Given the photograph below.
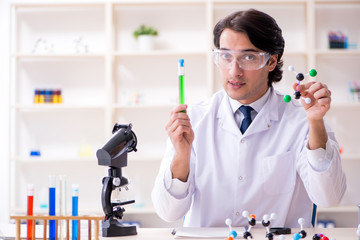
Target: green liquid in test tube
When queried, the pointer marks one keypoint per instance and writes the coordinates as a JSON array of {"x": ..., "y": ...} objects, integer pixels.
[{"x": 181, "y": 81}]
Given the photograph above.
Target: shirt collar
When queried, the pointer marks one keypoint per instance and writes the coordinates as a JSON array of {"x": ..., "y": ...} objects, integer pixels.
[{"x": 257, "y": 105}]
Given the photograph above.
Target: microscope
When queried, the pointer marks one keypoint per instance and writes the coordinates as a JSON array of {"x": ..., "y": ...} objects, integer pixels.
[{"x": 114, "y": 155}]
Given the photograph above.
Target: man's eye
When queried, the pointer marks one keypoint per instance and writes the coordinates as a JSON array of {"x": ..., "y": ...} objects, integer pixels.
[
  {"x": 249, "y": 57},
  {"x": 226, "y": 56}
]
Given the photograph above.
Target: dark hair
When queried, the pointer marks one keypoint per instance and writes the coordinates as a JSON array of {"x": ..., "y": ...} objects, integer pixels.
[{"x": 263, "y": 32}]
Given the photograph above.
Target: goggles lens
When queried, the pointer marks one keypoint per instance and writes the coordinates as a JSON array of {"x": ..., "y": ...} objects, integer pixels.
[{"x": 247, "y": 60}]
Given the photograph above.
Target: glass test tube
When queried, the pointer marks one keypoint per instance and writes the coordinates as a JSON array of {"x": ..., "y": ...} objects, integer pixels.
[
  {"x": 75, "y": 209},
  {"x": 52, "y": 188},
  {"x": 181, "y": 69},
  {"x": 62, "y": 206},
  {"x": 30, "y": 207}
]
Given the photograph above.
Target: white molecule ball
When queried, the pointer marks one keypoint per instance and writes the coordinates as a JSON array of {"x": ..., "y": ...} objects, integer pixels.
[
  {"x": 266, "y": 218},
  {"x": 228, "y": 221},
  {"x": 301, "y": 221},
  {"x": 282, "y": 237},
  {"x": 273, "y": 216},
  {"x": 245, "y": 214},
  {"x": 291, "y": 68},
  {"x": 307, "y": 100}
]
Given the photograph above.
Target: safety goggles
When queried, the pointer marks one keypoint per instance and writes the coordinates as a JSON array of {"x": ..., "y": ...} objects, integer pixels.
[{"x": 247, "y": 60}]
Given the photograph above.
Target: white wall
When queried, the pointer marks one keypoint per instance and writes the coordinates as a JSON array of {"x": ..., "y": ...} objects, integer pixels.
[{"x": 4, "y": 110}]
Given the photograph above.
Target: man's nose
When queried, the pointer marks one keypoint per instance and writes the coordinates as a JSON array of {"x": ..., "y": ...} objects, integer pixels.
[{"x": 235, "y": 69}]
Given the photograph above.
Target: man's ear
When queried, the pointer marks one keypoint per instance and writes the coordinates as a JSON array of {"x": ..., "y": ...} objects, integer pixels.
[{"x": 272, "y": 62}]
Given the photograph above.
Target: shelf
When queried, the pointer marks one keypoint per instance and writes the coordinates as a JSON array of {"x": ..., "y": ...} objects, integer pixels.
[
  {"x": 53, "y": 160},
  {"x": 339, "y": 209},
  {"x": 139, "y": 210},
  {"x": 68, "y": 6},
  {"x": 338, "y": 52},
  {"x": 261, "y": 2},
  {"x": 345, "y": 105},
  {"x": 294, "y": 53},
  {"x": 350, "y": 157},
  {"x": 24, "y": 56},
  {"x": 337, "y": 1},
  {"x": 159, "y": 53},
  {"x": 132, "y": 157},
  {"x": 140, "y": 107},
  {"x": 46, "y": 107}
]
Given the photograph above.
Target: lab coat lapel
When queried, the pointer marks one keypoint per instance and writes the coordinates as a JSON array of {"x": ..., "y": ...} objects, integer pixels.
[
  {"x": 262, "y": 122},
  {"x": 225, "y": 117},
  {"x": 268, "y": 114}
]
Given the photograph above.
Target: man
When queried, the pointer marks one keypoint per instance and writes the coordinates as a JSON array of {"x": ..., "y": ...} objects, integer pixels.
[{"x": 287, "y": 159}]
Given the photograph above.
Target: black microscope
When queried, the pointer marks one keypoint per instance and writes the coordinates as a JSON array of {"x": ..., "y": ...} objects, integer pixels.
[{"x": 114, "y": 155}]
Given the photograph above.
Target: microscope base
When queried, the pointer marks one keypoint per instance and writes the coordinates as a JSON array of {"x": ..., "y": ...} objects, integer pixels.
[{"x": 113, "y": 228}]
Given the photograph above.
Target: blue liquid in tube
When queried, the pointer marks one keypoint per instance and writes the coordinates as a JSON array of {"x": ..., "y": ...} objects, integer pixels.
[
  {"x": 52, "y": 226},
  {"x": 75, "y": 211}
]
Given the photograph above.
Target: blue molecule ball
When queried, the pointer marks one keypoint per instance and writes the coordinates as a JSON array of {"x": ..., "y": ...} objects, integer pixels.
[
  {"x": 233, "y": 234},
  {"x": 296, "y": 236}
]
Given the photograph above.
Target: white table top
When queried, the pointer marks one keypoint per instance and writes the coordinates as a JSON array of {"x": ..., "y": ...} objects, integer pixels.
[
  {"x": 165, "y": 234},
  {"x": 208, "y": 233}
]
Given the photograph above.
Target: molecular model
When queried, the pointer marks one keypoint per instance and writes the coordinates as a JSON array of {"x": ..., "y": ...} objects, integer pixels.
[
  {"x": 252, "y": 222},
  {"x": 80, "y": 45},
  {"x": 42, "y": 46},
  {"x": 300, "y": 77},
  {"x": 269, "y": 235}
]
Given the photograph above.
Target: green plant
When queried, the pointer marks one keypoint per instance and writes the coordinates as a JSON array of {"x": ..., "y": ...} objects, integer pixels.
[{"x": 145, "y": 30}]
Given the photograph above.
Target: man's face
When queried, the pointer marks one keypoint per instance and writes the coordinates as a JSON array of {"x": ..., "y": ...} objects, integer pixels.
[{"x": 246, "y": 86}]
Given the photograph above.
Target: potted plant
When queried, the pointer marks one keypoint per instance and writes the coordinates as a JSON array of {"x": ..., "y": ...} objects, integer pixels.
[{"x": 145, "y": 37}]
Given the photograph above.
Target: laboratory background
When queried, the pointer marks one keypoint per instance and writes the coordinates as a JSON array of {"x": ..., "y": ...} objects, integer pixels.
[{"x": 70, "y": 70}]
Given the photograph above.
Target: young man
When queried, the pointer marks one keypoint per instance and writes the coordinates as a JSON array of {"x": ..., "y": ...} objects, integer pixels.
[{"x": 217, "y": 165}]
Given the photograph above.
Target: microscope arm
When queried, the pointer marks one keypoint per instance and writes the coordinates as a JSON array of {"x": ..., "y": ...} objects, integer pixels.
[{"x": 106, "y": 196}]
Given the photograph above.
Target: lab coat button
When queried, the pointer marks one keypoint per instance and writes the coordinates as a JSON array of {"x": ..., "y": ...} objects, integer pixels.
[
  {"x": 240, "y": 178},
  {"x": 242, "y": 141},
  {"x": 237, "y": 214}
]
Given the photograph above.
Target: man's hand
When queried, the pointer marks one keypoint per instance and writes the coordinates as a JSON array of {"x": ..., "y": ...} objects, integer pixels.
[
  {"x": 320, "y": 97},
  {"x": 181, "y": 135}
]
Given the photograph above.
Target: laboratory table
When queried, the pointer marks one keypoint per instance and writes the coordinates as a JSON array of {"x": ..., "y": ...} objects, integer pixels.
[{"x": 166, "y": 234}]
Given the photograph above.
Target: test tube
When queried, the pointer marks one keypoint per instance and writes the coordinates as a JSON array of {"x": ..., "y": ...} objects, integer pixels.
[
  {"x": 30, "y": 206},
  {"x": 75, "y": 209},
  {"x": 52, "y": 188},
  {"x": 62, "y": 206},
  {"x": 181, "y": 69}
]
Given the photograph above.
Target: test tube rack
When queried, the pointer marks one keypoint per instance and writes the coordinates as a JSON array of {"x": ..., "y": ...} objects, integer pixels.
[{"x": 46, "y": 218}]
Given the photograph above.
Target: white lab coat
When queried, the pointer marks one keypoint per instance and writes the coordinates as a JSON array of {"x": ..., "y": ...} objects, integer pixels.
[{"x": 264, "y": 171}]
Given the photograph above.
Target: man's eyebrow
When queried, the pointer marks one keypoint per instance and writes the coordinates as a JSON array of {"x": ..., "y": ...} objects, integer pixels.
[
  {"x": 250, "y": 50},
  {"x": 245, "y": 50}
]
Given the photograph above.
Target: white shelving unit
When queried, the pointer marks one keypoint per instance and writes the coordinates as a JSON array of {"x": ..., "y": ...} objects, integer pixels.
[{"x": 114, "y": 82}]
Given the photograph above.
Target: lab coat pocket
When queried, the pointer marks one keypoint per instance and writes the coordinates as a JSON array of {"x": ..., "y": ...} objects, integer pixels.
[{"x": 279, "y": 174}]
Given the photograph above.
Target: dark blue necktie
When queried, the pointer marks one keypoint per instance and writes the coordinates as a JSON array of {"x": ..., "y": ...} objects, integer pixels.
[{"x": 246, "y": 110}]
